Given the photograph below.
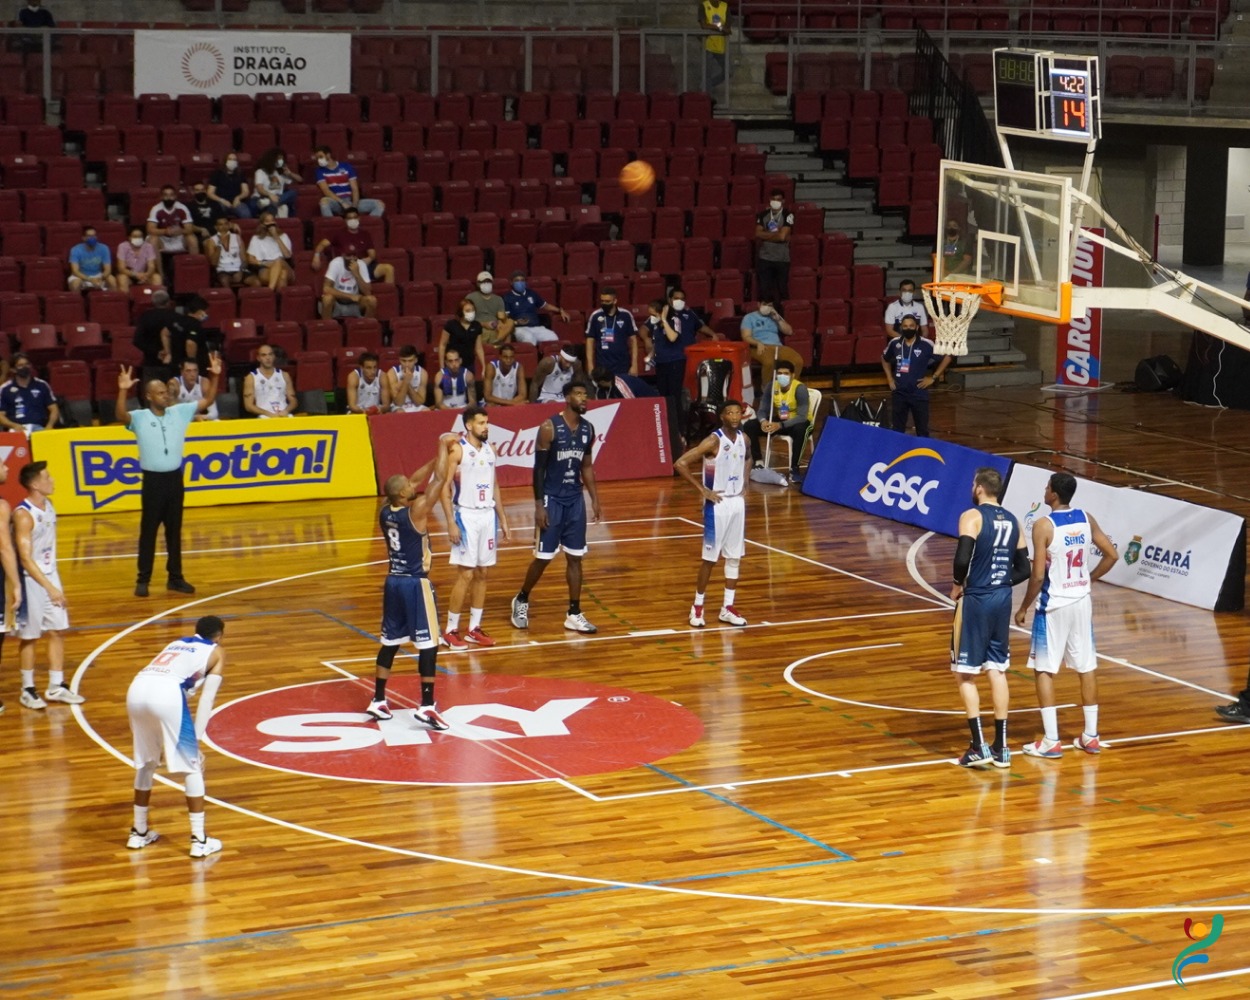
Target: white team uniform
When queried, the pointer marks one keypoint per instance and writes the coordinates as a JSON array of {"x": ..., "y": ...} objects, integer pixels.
[
  {"x": 38, "y": 614},
  {"x": 422, "y": 390},
  {"x": 552, "y": 390},
  {"x": 505, "y": 385},
  {"x": 368, "y": 393},
  {"x": 270, "y": 392},
  {"x": 156, "y": 702},
  {"x": 1063, "y": 625},
  {"x": 194, "y": 395},
  {"x": 475, "y": 506},
  {"x": 724, "y": 523}
]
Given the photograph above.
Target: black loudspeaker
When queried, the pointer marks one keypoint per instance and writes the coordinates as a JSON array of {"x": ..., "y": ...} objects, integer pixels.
[{"x": 1157, "y": 374}]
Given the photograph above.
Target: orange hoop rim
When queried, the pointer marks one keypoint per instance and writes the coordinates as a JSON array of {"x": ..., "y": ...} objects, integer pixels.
[{"x": 991, "y": 291}]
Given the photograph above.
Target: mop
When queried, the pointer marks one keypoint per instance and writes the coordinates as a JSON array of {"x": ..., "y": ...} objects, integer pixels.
[{"x": 763, "y": 474}]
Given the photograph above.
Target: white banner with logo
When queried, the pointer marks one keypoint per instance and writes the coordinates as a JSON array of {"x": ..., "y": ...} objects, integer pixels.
[
  {"x": 1167, "y": 547},
  {"x": 242, "y": 62}
]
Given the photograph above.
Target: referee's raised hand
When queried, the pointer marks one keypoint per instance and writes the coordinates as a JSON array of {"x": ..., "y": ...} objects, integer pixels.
[{"x": 125, "y": 379}]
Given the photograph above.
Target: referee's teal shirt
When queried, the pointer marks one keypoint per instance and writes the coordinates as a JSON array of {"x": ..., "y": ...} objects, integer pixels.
[{"x": 161, "y": 439}]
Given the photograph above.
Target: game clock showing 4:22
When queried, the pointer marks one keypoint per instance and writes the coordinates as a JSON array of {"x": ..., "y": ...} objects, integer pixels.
[{"x": 1046, "y": 95}]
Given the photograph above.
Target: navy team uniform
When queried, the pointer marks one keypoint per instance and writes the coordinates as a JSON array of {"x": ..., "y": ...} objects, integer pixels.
[
  {"x": 983, "y": 617},
  {"x": 408, "y": 610},
  {"x": 562, "y": 490}
]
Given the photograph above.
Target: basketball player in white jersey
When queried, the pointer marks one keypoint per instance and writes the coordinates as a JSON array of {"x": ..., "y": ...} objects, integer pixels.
[
  {"x": 11, "y": 586},
  {"x": 723, "y": 454},
  {"x": 553, "y": 374},
  {"x": 161, "y": 724},
  {"x": 454, "y": 388},
  {"x": 44, "y": 612},
  {"x": 268, "y": 391},
  {"x": 408, "y": 383},
  {"x": 505, "y": 380},
  {"x": 1063, "y": 621},
  {"x": 189, "y": 387},
  {"x": 367, "y": 391},
  {"x": 479, "y": 515}
]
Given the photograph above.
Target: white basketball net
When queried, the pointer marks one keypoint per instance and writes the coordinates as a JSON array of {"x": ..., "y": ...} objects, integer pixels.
[{"x": 952, "y": 310}]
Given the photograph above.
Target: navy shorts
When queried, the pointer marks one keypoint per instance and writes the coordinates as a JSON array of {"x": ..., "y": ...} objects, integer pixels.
[
  {"x": 409, "y": 613},
  {"x": 979, "y": 637},
  {"x": 566, "y": 527}
]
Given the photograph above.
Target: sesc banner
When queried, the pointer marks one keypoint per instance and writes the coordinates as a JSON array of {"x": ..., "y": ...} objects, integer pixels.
[
  {"x": 242, "y": 62},
  {"x": 920, "y": 481},
  {"x": 227, "y": 462},
  {"x": 1169, "y": 548}
]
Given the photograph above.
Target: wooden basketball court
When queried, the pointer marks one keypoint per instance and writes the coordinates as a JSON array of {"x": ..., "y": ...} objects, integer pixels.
[{"x": 654, "y": 811}]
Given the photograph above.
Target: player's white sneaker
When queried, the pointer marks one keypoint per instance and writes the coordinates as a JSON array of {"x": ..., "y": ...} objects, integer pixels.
[
  {"x": 578, "y": 623},
  {"x": 696, "y": 616},
  {"x": 729, "y": 615},
  {"x": 520, "y": 613},
  {"x": 138, "y": 841},
  {"x": 428, "y": 716},
  {"x": 203, "y": 848},
  {"x": 30, "y": 699},
  {"x": 379, "y": 710},
  {"x": 64, "y": 695}
]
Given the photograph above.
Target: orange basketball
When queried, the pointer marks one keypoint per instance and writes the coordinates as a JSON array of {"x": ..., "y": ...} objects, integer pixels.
[{"x": 637, "y": 177}]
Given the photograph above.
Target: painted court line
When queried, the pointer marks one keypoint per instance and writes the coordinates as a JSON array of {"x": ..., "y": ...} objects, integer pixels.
[{"x": 1159, "y": 984}]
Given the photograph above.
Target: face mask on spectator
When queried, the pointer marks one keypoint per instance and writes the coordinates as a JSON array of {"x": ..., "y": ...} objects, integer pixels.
[
  {"x": 783, "y": 380},
  {"x": 22, "y": 371},
  {"x": 486, "y": 287},
  {"x": 470, "y": 315},
  {"x": 279, "y": 163},
  {"x": 232, "y": 164},
  {"x": 910, "y": 331},
  {"x": 519, "y": 287},
  {"x": 136, "y": 241},
  {"x": 905, "y": 298},
  {"x": 679, "y": 304},
  {"x": 168, "y": 202},
  {"x": 353, "y": 224},
  {"x": 322, "y": 161},
  {"x": 201, "y": 197},
  {"x": 775, "y": 205},
  {"x": 91, "y": 241}
]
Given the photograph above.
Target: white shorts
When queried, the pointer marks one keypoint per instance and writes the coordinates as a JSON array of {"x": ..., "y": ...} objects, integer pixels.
[
  {"x": 477, "y": 537},
  {"x": 1064, "y": 635},
  {"x": 724, "y": 529},
  {"x": 534, "y": 334},
  {"x": 161, "y": 724},
  {"x": 38, "y": 614}
]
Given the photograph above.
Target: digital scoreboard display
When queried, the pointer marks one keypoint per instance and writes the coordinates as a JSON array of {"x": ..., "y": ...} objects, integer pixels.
[
  {"x": 1015, "y": 90},
  {"x": 1071, "y": 107},
  {"x": 1043, "y": 94}
]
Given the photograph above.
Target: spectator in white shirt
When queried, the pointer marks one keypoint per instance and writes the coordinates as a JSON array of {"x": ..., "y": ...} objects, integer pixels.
[
  {"x": 345, "y": 291},
  {"x": 269, "y": 254},
  {"x": 273, "y": 185},
  {"x": 225, "y": 253},
  {"x": 905, "y": 305}
]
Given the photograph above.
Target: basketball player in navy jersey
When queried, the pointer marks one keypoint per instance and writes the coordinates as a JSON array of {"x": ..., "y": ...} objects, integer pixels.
[
  {"x": 990, "y": 559},
  {"x": 562, "y": 463},
  {"x": 10, "y": 583},
  {"x": 723, "y": 455},
  {"x": 408, "y": 610}
]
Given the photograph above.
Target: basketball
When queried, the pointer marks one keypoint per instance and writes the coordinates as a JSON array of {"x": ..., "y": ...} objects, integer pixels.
[{"x": 637, "y": 177}]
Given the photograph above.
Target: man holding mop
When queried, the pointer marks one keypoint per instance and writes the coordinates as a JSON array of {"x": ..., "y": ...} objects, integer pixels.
[{"x": 786, "y": 401}]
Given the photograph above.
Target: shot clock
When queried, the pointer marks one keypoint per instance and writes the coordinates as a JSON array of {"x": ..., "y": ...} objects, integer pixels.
[{"x": 1046, "y": 95}]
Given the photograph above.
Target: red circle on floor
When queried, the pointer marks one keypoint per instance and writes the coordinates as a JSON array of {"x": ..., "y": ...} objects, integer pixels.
[{"x": 503, "y": 729}]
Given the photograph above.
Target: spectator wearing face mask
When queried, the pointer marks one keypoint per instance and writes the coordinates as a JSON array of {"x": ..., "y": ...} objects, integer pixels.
[
  {"x": 229, "y": 189},
  {"x": 905, "y": 305},
  {"x": 33, "y": 15},
  {"x": 340, "y": 187},
  {"x": 491, "y": 312},
  {"x": 762, "y": 331},
  {"x": 784, "y": 408},
  {"x": 463, "y": 334},
  {"x": 679, "y": 327},
  {"x": 772, "y": 259},
  {"x": 170, "y": 227},
  {"x": 906, "y": 361},
  {"x": 346, "y": 290},
  {"x": 524, "y": 306},
  {"x": 136, "y": 262},
  {"x": 612, "y": 337},
  {"x": 273, "y": 185},
  {"x": 90, "y": 264},
  {"x": 606, "y": 385},
  {"x": 353, "y": 241},
  {"x": 26, "y": 402},
  {"x": 204, "y": 213}
]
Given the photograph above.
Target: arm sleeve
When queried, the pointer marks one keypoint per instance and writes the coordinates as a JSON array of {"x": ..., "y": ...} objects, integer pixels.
[
  {"x": 540, "y": 472},
  {"x": 205, "y": 708},
  {"x": 963, "y": 558},
  {"x": 1021, "y": 568}
]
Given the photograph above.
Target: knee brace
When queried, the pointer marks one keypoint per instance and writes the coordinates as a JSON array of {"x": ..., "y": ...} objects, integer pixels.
[
  {"x": 194, "y": 784},
  {"x": 426, "y": 659},
  {"x": 386, "y": 656},
  {"x": 144, "y": 777},
  {"x": 731, "y": 568}
]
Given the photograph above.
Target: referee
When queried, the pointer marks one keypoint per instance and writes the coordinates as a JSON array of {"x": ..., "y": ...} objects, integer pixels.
[{"x": 161, "y": 433}]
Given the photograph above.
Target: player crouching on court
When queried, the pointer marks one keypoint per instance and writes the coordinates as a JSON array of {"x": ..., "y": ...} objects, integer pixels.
[
  {"x": 990, "y": 559},
  {"x": 161, "y": 724}
]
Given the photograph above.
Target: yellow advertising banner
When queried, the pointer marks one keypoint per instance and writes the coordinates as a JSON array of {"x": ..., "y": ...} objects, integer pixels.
[{"x": 227, "y": 462}]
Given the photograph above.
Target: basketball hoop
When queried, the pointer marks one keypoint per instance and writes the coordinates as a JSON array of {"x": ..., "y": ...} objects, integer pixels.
[{"x": 952, "y": 305}]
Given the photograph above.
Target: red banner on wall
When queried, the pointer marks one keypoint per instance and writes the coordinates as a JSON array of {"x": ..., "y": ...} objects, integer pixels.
[
  {"x": 631, "y": 439},
  {"x": 14, "y": 453},
  {"x": 1079, "y": 344}
]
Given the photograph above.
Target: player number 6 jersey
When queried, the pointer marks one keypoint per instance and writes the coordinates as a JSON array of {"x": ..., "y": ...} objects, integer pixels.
[{"x": 475, "y": 478}]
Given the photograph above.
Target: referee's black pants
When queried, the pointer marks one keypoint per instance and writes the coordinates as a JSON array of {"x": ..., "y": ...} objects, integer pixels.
[{"x": 162, "y": 495}]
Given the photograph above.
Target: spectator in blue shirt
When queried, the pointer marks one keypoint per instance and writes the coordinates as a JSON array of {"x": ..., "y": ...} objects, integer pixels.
[
  {"x": 524, "y": 306},
  {"x": 90, "y": 264},
  {"x": 26, "y": 402},
  {"x": 906, "y": 362},
  {"x": 679, "y": 328},
  {"x": 340, "y": 187},
  {"x": 612, "y": 337},
  {"x": 762, "y": 331}
]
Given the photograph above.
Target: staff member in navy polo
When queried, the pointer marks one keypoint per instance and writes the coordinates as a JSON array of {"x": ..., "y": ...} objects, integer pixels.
[
  {"x": 161, "y": 433},
  {"x": 612, "y": 337},
  {"x": 679, "y": 328},
  {"x": 906, "y": 362},
  {"x": 26, "y": 402},
  {"x": 523, "y": 306}
]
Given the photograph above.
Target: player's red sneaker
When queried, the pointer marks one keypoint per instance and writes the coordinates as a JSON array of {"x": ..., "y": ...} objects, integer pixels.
[
  {"x": 452, "y": 638},
  {"x": 478, "y": 637}
]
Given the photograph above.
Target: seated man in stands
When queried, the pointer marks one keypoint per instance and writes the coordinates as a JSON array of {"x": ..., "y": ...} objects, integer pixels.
[
  {"x": 505, "y": 379},
  {"x": 346, "y": 291},
  {"x": 762, "y": 331},
  {"x": 367, "y": 389},
  {"x": 189, "y": 387},
  {"x": 408, "y": 383},
  {"x": 204, "y": 213},
  {"x": 268, "y": 391},
  {"x": 90, "y": 264},
  {"x": 454, "y": 388},
  {"x": 524, "y": 306},
  {"x": 269, "y": 254},
  {"x": 496, "y": 326},
  {"x": 609, "y": 386},
  {"x": 26, "y": 402},
  {"x": 136, "y": 262},
  {"x": 170, "y": 228},
  {"x": 783, "y": 408},
  {"x": 352, "y": 241},
  {"x": 340, "y": 187},
  {"x": 905, "y": 305},
  {"x": 228, "y": 188}
]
